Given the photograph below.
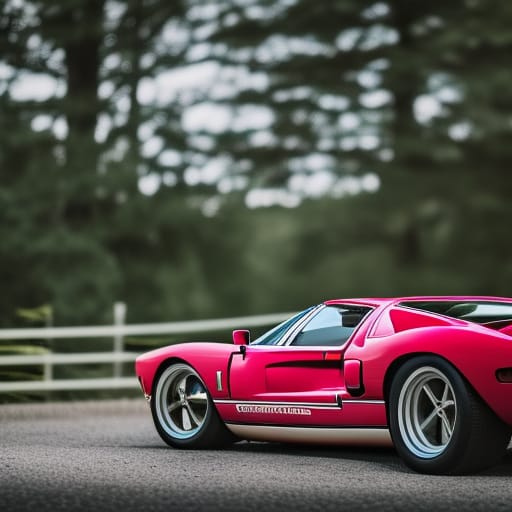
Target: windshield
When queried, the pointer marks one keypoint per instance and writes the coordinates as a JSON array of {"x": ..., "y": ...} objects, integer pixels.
[{"x": 273, "y": 336}]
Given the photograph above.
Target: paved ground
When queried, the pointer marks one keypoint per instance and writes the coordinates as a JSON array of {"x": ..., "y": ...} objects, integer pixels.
[{"x": 106, "y": 456}]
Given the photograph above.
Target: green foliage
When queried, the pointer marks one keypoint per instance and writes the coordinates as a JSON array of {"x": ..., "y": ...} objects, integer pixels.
[
  {"x": 17, "y": 373},
  {"x": 343, "y": 82},
  {"x": 42, "y": 313}
]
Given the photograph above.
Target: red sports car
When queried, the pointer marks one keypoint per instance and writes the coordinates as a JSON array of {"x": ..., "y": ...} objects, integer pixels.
[{"x": 430, "y": 375}]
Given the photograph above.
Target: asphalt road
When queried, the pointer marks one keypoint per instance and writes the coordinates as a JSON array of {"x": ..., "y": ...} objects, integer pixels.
[{"x": 106, "y": 456}]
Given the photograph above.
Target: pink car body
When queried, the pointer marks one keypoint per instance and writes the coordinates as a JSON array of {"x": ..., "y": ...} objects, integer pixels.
[{"x": 340, "y": 393}]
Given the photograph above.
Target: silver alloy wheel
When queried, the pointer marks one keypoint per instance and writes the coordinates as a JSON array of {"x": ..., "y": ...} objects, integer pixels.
[
  {"x": 181, "y": 401},
  {"x": 427, "y": 412}
]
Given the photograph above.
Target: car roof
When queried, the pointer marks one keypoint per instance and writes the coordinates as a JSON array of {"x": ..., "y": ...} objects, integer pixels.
[
  {"x": 374, "y": 302},
  {"x": 382, "y": 301}
]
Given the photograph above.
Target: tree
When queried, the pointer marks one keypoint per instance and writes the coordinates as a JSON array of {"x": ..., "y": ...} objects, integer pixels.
[
  {"x": 420, "y": 84},
  {"x": 377, "y": 130}
]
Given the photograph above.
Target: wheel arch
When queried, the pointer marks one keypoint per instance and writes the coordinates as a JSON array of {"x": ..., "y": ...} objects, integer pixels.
[
  {"x": 397, "y": 363},
  {"x": 163, "y": 365}
]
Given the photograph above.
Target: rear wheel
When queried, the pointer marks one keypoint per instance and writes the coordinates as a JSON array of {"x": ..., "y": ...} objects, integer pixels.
[
  {"x": 438, "y": 423},
  {"x": 183, "y": 411}
]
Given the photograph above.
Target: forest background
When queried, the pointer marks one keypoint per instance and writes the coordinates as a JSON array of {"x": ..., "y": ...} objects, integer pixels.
[{"x": 208, "y": 158}]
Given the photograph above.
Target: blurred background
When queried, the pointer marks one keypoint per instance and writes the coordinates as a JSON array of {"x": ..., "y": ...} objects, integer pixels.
[{"x": 207, "y": 158}]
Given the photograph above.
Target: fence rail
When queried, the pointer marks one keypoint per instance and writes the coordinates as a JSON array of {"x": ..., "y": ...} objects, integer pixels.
[{"x": 117, "y": 356}]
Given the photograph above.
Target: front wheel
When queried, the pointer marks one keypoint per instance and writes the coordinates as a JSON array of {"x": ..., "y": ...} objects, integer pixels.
[
  {"x": 438, "y": 423},
  {"x": 183, "y": 412}
]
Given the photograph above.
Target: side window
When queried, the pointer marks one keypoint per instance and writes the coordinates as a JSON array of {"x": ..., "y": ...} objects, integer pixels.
[
  {"x": 273, "y": 337},
  {"x": 331, "y": 326}
]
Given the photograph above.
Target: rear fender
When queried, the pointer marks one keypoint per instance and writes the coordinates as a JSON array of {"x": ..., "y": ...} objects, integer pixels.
[{"x": 475, "y": 353}]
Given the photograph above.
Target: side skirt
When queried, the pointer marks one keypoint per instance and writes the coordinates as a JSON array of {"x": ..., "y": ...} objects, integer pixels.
[{"x": 329, "y": 436}]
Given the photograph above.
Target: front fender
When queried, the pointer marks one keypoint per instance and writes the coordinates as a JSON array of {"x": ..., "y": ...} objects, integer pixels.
[{"x": 206, "y": 358}]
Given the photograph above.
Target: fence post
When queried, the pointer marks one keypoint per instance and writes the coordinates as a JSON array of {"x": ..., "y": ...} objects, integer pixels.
[
  {"x": 119, "y": 320},
  {"x": 48, "y": 368}
]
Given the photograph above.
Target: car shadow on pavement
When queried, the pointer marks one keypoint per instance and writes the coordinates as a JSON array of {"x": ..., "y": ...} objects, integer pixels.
[
  {"x": 504, "y": 468},
  {"x": 385, "y": 457}
]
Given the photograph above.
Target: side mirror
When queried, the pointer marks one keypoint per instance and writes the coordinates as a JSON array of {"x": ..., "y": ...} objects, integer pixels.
[{"x": 241, "y": 337}]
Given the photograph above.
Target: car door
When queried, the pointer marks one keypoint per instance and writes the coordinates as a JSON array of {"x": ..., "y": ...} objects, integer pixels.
[{"x": 301, "y": 382}]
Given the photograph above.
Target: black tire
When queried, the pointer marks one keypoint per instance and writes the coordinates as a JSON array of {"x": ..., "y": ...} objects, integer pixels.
[
  {"x": 438, "y": 424},
  {"x": 183, "y": 411}
]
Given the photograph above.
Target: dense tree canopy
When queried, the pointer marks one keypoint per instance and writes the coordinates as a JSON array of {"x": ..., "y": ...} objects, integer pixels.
[{"x": 200, "y": 158}]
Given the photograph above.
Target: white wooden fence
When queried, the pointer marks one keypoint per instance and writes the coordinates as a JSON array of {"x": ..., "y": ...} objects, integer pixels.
[{"x": 116, "y": 356}]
